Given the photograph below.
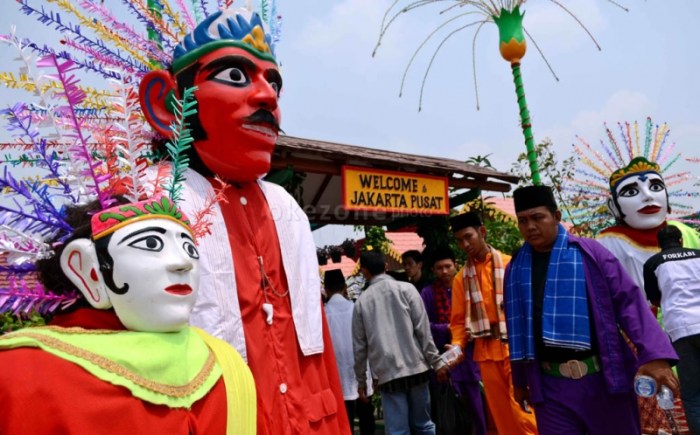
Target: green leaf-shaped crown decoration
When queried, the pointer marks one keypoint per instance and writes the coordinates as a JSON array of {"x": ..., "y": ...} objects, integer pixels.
[{"x": 109, "y": 220}]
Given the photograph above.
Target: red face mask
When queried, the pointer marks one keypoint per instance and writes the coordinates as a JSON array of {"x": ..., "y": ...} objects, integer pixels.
[{"x": 237, "y": 107}]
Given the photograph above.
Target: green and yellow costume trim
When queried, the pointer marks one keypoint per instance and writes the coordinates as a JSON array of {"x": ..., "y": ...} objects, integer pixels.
[{"x": 179, "y": 368}]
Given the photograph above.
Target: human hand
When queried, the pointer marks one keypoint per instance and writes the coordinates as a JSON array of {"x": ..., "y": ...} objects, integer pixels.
[
  {"x": 443, "y": 374},
  {"x": 363, "y": 394},
  {"x": 655, "y": 310},
  {"x": 522, "y": 397},
  {"x": 660, "y": 370}
]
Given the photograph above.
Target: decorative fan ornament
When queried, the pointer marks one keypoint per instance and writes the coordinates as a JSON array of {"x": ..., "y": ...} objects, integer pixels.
[
  {"x": 462, "y": 15},
  {"x": 650, "y": 145}
]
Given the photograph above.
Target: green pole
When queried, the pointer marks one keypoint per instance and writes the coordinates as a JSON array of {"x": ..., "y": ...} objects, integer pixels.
[
  {"x": 526, "y": 123},
  {"x": 513, "y": 47}
]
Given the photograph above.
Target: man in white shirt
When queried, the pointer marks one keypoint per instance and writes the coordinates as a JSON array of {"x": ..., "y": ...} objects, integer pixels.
[
  {"x": 672, "y": 280},
  {"x": 339, "y": 316}
]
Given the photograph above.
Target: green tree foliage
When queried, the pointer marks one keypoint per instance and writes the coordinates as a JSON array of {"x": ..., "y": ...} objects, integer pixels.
[
  {"x": 10, "y": 322},
  {"x": 375, "y": 239},
  {"x": 502, "y": 233},
  {"x": 501, "y": 230},
  {"x": 435, "y": 231},
  {"x": 556, "y": 174},
  {"x": 553, "y": 173}
]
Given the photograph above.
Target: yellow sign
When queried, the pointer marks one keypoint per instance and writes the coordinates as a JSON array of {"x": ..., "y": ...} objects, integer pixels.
[{"x": 390, "y": 191}]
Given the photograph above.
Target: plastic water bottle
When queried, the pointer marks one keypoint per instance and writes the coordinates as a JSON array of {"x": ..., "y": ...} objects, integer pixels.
[
  {"x": 665, "y": 401},
  {"x": 665, "y": 398},
  {"x": 451, "y": 355},
  {"x": 644, "y": 386}
]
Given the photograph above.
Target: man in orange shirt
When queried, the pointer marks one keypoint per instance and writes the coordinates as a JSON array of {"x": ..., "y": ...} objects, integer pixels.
[{"x": 477, "y": 313}]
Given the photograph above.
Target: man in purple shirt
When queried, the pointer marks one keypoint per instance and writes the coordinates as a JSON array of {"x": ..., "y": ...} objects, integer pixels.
[
  {"x": 465, "y": 376},
  {"x": 568, "y": 302}
]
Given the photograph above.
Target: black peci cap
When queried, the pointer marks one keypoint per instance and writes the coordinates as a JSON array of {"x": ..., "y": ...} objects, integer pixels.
[
  {"x": 529, "y": 197},
  {"x": 333, "y": 277},
  {"x": 464, "y": 220}
]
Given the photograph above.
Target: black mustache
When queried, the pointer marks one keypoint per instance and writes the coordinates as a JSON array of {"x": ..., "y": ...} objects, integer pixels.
[{"x": 262, "y": 116}]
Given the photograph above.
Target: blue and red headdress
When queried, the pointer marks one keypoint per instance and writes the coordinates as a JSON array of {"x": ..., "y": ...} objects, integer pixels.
[{"x": 77, "y": 143}]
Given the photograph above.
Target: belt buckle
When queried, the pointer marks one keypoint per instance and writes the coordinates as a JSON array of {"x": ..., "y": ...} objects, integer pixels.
[{"x": 573, "y": 369}]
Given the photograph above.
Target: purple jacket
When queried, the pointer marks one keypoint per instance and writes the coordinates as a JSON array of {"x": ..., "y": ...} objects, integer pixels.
[
  {"x": 617, "y": 305},
  {"x": 467, "y": 370}
]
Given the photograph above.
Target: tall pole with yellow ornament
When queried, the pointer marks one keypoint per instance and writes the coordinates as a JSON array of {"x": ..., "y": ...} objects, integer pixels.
[
  {"x": 508, "y": 18},
  {"x": 512, "y": 46}
]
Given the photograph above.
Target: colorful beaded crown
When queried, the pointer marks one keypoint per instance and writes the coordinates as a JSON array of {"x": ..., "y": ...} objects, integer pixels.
[{"x": 638, "y": 165}]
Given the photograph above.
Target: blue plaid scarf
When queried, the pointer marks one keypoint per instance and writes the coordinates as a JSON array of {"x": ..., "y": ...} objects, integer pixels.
[{"x": 565, "y": 308}]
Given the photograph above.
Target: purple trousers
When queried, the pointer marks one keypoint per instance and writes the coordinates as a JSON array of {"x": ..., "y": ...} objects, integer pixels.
[
  {"x": 471, "y": 391},
  {"x": 583, "y": 406}
]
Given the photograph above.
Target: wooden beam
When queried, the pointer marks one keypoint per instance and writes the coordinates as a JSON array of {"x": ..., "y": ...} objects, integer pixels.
[
  {"x": 334, "y": 168},
  {"x": 306, "y": 165},
  {"x": 322, "y": 188},
  {"x": 355, "y": 218},
  {"x": 467, "y": 196},
  {"x": 466, "y": 183}
]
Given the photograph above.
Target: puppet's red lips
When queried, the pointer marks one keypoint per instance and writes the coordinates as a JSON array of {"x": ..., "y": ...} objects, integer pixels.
[
  {"x": 266, "y": 129},
  {"x": 179, "y": 289},
  {"x": 650, "y": 209}
]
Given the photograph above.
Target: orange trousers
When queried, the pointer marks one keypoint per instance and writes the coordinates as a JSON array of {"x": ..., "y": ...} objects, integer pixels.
[{"x": 508, "y": 417}]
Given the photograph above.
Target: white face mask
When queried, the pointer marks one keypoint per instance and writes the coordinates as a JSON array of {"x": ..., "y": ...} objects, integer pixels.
[
  {"x": 642, "y": 201},
  {"x": 154, "y": 260},
  {"x": 158, "y": 261}
]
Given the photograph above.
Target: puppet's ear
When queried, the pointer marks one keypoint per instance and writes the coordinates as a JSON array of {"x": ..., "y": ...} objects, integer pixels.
[
  {"x": 614, "y": 210},
  {"x": 79, "y": 263},
  {"x": 157, "y": 94}
]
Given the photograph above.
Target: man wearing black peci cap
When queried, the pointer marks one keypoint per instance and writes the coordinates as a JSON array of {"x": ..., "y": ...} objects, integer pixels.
[
  {"x": 567, "y": 301},
  {"x": 477, "y": 314}
]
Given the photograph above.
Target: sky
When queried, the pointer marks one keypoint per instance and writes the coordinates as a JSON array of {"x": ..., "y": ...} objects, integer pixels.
[{"x": 335, "y": 90}]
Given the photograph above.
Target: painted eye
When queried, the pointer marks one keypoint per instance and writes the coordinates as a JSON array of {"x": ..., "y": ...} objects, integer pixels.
[
  {"x": 629, "y": 192},
  {"x": 232, "y": 76},
  {"x": 148, "y": 243},
  {"x": 657, "y": 186},
  {"x": 191, "y": 249},
  {"x": 274, "y": 79}
]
